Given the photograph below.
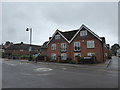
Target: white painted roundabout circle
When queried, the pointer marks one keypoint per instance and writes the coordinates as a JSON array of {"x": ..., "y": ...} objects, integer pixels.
[{"x": 42, "y": 69}]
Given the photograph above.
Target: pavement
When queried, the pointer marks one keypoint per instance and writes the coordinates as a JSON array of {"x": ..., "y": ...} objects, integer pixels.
[{"x": 100, "y": 65}]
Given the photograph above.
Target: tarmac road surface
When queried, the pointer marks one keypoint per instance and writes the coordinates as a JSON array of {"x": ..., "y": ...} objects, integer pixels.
[{"x": 19, "y": 74}]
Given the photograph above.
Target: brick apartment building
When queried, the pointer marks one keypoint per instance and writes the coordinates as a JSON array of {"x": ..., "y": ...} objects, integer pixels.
[
  {"x": 81, "y": 42},
  {"x": 44, "y": 49}
]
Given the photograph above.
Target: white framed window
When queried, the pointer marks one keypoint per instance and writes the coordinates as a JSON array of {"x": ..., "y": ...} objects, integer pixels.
[
  {"x": 83, "y": 33},
  {"x": 106, "y": 54},
  {"x": 57, "y": 36},
  {"x": 91, "y": 54},
  {"x": 53, "y": 47},
  {"x": 77, "y": 54},
  {"x": 76, "y": 46},
  {"x": 63, "y": 56},
  {"x": 90, "y": 44},
  {"x": 53, "y": 56},
  {"x": 21, "y": 50},
  {"x": 63, "y": 46}
]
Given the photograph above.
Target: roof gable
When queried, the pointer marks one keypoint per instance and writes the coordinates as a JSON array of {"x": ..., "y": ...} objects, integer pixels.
[
  {"x": 83, "y": 26},
  {"x": 60, "y": 33},
  {"x": 70, "y": 35}
]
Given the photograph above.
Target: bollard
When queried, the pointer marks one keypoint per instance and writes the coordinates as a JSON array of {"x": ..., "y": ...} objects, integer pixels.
[
  {"x": 76, "y": 59},
  {"x": 59, "y": 58}
]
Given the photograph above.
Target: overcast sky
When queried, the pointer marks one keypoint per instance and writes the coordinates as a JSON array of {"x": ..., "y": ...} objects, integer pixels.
[{"x": 45, "y": 18}]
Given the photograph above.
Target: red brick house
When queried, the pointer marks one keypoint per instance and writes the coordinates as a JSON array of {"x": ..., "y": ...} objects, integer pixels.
[
  {"x": 22, "y": 49},
  {"x": 81, "y": 42}
]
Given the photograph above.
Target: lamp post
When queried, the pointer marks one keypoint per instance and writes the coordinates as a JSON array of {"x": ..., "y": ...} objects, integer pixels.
[{"x": 30, "y": 48}]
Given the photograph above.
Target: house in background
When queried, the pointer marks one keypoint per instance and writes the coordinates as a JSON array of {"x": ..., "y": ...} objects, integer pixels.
[
  {"x": 22, "y": 49},
  {"x": 1, "y": 50},
  {"x": 7, "y": 44},
  {"x": 81, "y": 42},
  {"x": 115, "y": 49},
  {"x": 118, "y": 52}
]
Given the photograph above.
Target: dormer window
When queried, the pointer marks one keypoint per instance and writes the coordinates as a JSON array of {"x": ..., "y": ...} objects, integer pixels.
[
  {"x": 57, "y": 36},
  {"x": 83, "y": 33}
]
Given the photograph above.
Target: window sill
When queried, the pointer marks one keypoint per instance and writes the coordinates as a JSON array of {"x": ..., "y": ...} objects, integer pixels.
[
  {"x": 63, "y": 51},
  {"x": 90, "y": 48},
  {"x": 77, "y": 51},
  {"x": 53, "y": 50}
]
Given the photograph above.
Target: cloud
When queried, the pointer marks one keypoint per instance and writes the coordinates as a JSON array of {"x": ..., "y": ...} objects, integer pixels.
[{"x": 45, "y": 18}]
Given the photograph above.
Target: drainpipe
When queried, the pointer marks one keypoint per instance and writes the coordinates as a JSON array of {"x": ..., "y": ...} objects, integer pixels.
[
  {"x": 103, "y": 40},
  {"x": 103, "y": 51}
]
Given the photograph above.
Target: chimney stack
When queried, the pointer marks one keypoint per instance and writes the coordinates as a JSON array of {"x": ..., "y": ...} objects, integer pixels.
[{"x": 50, "y": 38}]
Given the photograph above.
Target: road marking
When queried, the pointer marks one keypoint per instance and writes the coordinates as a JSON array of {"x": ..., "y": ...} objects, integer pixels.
[
  {"x": 24, "y": 63},
  {"x": 28, "y": 74},
  {"x": 64, "y": 68},
  {"x": 42, "y": 69}
]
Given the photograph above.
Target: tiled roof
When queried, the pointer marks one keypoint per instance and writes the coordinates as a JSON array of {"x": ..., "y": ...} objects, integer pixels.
[
  {"x": 44, "y": 45},
  {"x": 22, "y": 46},
  {"x": 69, "y": 34}
]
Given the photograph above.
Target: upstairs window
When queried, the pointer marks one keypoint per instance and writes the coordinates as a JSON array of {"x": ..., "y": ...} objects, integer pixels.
[
  {"x": 83, "y": 33},
  {"x": 63, "y": 46},
  {"x": 53, "y": 47},
  {"x": 57, "y": 36},
  {"x": 76, "y": 46},
  {"x": 63, "y": 56},
  {"x": 90, "y": 44}
]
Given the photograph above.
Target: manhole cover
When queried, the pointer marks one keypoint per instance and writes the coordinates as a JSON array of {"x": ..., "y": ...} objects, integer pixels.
[{"x": 42, "y": 69}]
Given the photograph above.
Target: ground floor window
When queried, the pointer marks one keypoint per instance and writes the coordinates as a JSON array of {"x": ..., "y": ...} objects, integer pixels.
[
  {"x": 53, "y": 56},
  {"x": 106, "y": 54},
  {"x": 63, "y": 56},
  {"x": 91, "y": 54},
  {"x": 77, "y": 54}
]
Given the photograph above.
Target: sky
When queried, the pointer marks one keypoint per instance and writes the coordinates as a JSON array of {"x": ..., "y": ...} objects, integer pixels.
[{"x": 46, "y": 17}]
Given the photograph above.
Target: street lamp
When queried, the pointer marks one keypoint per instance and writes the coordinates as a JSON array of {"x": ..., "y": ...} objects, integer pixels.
[{"x": 30, "y": 48}]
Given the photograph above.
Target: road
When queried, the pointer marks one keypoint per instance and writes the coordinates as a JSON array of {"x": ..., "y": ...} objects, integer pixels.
[{"x": 18, "y": 74}]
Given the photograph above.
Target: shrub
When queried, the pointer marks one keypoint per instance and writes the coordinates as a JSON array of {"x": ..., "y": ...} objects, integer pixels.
[
  {"x": 51, "y": 60},
  {"x": 41, "y": 58},
  {"x": 63, "y": 61},
  {"x": 24, "y": 56},
  {"x": 72, "y": 61},
  {"x": 81, "y": 60}
]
